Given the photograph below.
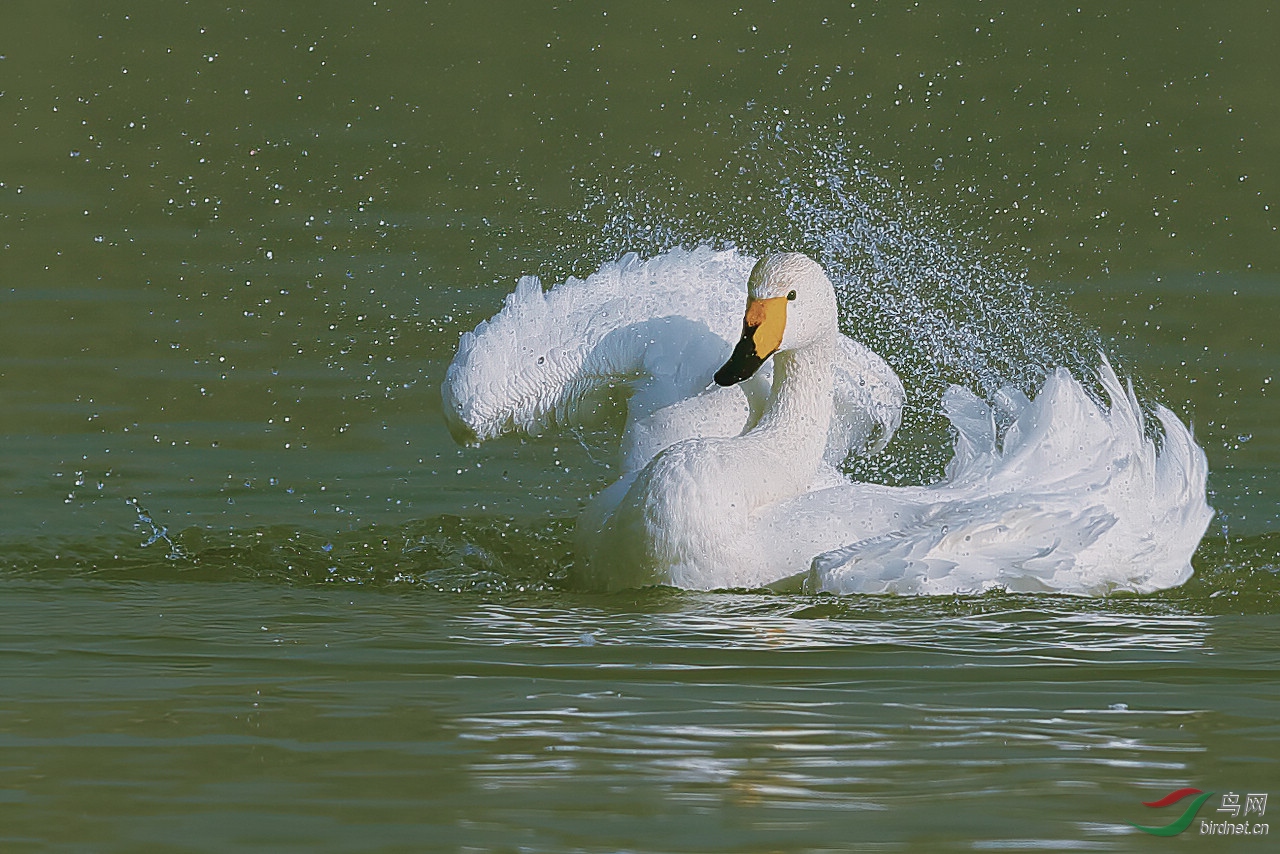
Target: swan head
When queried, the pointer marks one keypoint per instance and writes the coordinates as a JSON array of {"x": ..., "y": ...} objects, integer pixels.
[{"x": 790, "y": 304}]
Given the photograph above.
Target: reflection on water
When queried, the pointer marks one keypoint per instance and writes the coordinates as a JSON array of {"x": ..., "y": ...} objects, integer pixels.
[
  {"x": 1040, "y": 627},
  {"x": 322, "y": 713},
  {"x": 842, "y": 715}
]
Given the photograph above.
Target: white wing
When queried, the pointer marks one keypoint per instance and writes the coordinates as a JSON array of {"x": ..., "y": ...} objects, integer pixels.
[
  {"x": 651, "y": 332},
  {"x": 1077, "y": 500}
]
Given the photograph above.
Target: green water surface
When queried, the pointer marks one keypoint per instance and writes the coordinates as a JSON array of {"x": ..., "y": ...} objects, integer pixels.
[{"x": 252, "y": 597}]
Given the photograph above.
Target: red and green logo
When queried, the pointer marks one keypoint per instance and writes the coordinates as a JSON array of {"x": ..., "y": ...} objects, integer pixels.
[{"x": 1182, "y": 822}]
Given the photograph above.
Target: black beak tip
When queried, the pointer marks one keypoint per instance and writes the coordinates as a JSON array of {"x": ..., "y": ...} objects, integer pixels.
[{"x": 741, "y": 365}]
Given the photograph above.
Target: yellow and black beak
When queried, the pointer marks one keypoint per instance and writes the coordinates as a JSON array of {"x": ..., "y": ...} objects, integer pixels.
[{"x": 761, "y": 337}]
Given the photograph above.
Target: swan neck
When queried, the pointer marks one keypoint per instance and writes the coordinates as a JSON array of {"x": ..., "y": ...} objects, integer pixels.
[{"x": 798, "y": 414}]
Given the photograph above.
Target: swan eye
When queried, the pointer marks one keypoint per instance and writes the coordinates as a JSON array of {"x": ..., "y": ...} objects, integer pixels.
[
  {"x": 791, "y": 296},
  {"x": 542, "y": 360}
]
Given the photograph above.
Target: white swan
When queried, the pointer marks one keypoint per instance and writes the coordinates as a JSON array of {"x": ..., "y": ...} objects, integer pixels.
[
  {"x": 647, "y": 334},
  {"x": 1077, "y": 499}
]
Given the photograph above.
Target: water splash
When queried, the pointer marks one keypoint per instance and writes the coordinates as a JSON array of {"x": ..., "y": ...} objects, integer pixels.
[
  {"x": 914, "y": 283},
  {"x": 158, "y": 532}
]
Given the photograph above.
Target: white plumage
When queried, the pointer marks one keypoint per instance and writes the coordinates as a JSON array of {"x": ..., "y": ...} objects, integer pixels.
[
  {"x": 738, "y": 486},
  {"x": 652, "y": 331}
]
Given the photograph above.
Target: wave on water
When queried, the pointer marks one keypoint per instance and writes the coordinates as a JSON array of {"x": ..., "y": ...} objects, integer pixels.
[
  {"x": 449, "y": 554},
  {"x": 500, "y": 560}
]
